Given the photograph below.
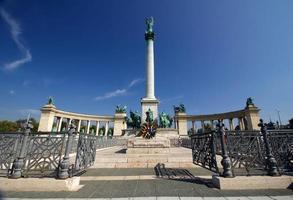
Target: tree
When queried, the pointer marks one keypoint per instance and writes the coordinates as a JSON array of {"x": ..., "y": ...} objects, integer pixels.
[
  {"x": 8, "y": 126},
  {"x": 22, "y": 122},
  {"x": 291, "y": 123}
]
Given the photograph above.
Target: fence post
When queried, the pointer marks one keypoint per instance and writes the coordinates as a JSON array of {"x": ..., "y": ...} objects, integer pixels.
[
  {"x": 226, "y": 162},
  {"x": 18, "y": 163},
  {"x": 270, "y": 160},
  {"x": 63, "y": 172}
]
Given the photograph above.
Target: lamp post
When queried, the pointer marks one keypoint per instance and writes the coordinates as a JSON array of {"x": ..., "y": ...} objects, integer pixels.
[{"x": 278, "y": 112}]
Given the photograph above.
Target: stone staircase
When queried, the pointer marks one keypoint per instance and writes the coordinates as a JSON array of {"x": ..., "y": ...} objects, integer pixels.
[{"x": 116, "y": 157}]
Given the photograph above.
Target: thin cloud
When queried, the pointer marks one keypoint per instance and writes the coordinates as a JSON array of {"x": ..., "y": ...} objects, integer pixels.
[
  {"x": 15, "y": 32},
  {"x": 26, "y": 83},
  {"x": 119, "y": 92},
  {"x": 11, "y": 92},
  {"x": 135, "y": 82}
]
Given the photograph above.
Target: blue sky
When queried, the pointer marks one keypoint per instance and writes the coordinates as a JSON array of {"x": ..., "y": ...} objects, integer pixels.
[{"x": 90, "y": 55}]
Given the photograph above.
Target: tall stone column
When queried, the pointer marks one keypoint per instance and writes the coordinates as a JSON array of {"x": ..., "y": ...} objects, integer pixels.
[{"x": 150, "y": 101}]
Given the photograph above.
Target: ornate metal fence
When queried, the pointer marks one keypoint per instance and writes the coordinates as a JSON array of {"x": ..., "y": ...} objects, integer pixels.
[
  {"x": 49, "y": 154},
  {"x": 86, "y": 152},
  {"x": 203, "y": 150},
  {"x": 44, "y": 153},
  {"x": 9, "y": 146},
  {"x": 246, "y": 151},
  {"x": 281, "y": 142}
]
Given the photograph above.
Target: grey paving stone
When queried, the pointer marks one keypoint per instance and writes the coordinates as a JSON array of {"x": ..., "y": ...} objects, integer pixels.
[
  {"x": 191, "y": 198},
  {"x": 168, "y": 198},
  {"x": 138, "y": 171},
  {"x": 282, "y": 197},
  {"x": 237, "y": 198},
  {"x": 143, "y": 198},
  {"x": 260, "y": 198},
  {"x": 214, "y": 198},
  {"x": 145, "y": 188}
]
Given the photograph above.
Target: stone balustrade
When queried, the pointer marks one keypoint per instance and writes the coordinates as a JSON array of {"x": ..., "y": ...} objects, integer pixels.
[
  {"x": 55, "y": 120},
  {"x": 246, "y": 119}
]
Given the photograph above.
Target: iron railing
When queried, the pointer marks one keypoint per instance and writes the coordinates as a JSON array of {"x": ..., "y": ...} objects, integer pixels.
[
  {"x": 49, "y": 154},
  {"x": 244, "y": 152},
  {"x": 204, "y": 150}
]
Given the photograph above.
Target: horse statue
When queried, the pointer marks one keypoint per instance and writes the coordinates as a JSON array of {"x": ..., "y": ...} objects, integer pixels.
[
  {"x": 149, "y": 116},
  {"x": 120, "y": 109},
  {"x": 134, "y": 121},
  {"x": 165, "y": 120},
  {"x": 180, "y": 108}
]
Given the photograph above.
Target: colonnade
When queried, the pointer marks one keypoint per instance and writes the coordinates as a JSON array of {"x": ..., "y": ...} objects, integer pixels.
[
  {"x": 58, "y": 121},
  {"x": 246, "y": 119},
  {"x": 241, "y": 125},
  {"x": 51, "y": 121}
]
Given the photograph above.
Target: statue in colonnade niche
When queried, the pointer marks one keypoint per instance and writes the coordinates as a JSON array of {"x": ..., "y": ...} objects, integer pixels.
[{"x": 165, "y": 120}]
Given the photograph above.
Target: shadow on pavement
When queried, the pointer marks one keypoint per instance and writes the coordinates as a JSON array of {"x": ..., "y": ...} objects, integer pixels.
[{"x": 180, "y": 175}]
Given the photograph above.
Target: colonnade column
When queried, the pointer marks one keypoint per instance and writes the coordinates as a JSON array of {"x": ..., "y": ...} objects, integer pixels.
[
  {"x": 88, "y": 126},
  {"x": 78, "y": 126},
  {"x": 106, "y": 128},
  {"x": 202, "y": 126},
  {"x": 240, "y": 122},
  {"x": 231, "y": 124},
  {"x": 60, "y": 124},
  {"x": 69, "y": 122},
  {"x": 193, "y": 127},
  {"x": 212, "y": 124},
  {"x": 97, "y": 128}
]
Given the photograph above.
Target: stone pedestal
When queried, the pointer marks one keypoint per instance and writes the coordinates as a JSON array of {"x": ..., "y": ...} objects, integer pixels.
[
  {"x": 157, "y": 145},
  {"x": 47, "y": 118},
  {"x": 169, "y": 133},
  {"x": 181, "y": 123},
  {"x": 119, "y": 123},
  {"x": 147, "y": 104},
  {"x": 252, "y": 117}
]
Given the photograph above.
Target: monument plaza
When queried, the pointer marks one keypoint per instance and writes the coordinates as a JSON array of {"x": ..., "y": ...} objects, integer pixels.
[{"x": 149, "y": 154}]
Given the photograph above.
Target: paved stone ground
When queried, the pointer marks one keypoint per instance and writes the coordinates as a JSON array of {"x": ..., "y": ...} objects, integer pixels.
[{"x": 160, "y": 188}]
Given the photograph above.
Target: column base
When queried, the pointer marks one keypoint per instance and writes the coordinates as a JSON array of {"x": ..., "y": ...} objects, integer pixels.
[{"x": 149, "y": 104}]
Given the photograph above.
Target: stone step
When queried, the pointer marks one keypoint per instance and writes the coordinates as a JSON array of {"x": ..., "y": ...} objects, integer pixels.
[
  {"x": 118, "y": 158},
  {"x": 144, "y": 165},
  {"x": 143, "y": 159}
]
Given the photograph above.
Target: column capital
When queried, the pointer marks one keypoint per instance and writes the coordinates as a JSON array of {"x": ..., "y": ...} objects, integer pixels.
[{"x": 149, "y": 36}]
